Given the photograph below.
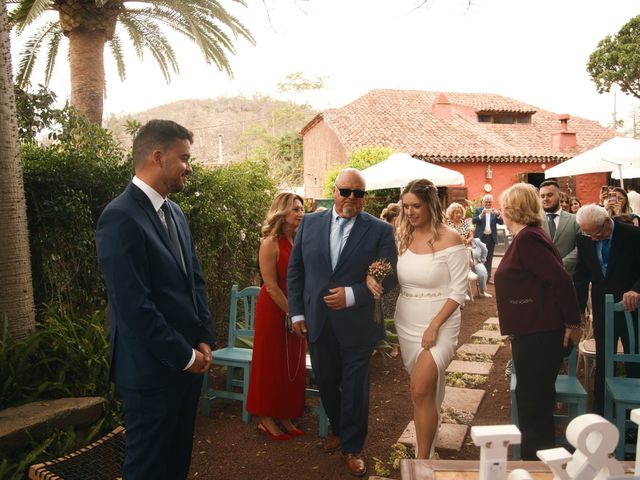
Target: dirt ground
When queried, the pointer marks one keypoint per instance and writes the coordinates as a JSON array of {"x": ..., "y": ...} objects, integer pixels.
[{"x": 227, "y": 448}]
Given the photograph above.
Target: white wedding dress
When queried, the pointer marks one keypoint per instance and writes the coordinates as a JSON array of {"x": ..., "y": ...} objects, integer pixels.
[{"x": 427, "y": 281}]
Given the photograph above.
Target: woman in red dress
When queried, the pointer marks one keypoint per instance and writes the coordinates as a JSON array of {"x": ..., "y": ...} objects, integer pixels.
[{"x": 278, "y": 367}]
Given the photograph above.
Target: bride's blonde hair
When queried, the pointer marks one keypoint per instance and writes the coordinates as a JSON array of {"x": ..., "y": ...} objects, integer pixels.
[{"x": 426, "y": 191}]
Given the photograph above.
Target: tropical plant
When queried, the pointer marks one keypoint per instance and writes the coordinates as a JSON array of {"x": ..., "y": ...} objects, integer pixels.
[
  {"x": 616, "y": 61},
  {"x": 17, "y": 310},
  {"x": 90, "y": 24}
]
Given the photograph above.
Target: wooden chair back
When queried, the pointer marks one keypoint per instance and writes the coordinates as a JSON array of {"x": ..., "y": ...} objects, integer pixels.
[
  {"x": 632, "y": 321},
  {"x": 242, "y": 327}
]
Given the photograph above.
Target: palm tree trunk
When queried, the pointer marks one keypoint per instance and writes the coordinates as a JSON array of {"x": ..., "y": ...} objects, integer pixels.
[
  {"x": 16, "y": 290},
  {"x": 86, "y": 65}
]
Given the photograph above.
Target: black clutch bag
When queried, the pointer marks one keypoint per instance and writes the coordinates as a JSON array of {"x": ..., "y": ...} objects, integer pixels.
[{"x": 288, "y": 323}]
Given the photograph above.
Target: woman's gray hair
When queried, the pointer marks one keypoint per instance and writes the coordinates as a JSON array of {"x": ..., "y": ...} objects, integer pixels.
[{"x": 591, "y": 214}]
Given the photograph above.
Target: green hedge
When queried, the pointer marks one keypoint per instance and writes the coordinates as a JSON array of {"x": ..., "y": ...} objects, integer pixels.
[{"x": 69, "y": 183}]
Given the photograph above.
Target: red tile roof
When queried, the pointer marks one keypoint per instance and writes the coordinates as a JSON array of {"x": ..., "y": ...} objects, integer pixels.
[{"x": 403, "y": 120}]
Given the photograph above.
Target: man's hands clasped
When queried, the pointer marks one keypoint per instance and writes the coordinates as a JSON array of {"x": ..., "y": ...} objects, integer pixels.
[{"x": 203, "y": 359}]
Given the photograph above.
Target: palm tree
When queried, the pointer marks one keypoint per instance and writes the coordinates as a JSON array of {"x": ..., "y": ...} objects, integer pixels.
[
  {"x": 17, "y": 310},
  {"x": 90, "y": 24}
]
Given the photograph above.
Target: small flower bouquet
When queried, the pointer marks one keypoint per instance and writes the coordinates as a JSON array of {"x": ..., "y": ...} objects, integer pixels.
[{"x": 379, "y": 270}]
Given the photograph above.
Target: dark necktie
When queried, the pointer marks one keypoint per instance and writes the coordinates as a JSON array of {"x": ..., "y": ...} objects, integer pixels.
[
  {"x": 173, "y": 232},
  {"x": 551, "y": 221}
]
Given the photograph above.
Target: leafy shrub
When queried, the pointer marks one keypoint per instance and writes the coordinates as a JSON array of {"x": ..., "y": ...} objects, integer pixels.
[
  {"x": 66, "y": 356},
  {"x": 225, "y": 208},
  {"x": 67, "y": 184}
]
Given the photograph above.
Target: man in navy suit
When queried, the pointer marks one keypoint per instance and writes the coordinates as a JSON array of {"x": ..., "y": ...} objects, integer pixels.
[
  {"x": 486, "y": 218},
  {"x": 161, "y": 331},
  {"x": 609, "y": 261},
  {"x": 329, "y": 301}
]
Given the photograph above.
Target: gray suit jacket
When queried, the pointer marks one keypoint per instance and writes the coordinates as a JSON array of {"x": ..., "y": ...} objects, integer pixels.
[{"x": 565, "y": 239}]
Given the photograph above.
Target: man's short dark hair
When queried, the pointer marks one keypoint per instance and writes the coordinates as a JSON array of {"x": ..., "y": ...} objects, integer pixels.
[
  {"x": 157, "y": 134},
  {"x": 550, "y": 183}
]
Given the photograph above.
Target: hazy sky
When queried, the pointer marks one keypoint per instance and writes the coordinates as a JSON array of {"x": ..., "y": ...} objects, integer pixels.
[{"x": 534, "y": 51}]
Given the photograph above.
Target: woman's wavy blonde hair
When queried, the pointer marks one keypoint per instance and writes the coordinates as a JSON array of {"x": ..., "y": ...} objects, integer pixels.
[
  {"x": 521, "y": 203},
  {"x": 426, "y": 191},
  {"x": 273, "y": 225}
]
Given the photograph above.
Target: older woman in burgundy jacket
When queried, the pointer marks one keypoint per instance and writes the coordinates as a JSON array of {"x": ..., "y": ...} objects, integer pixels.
[{"x": 537, "y": 306}]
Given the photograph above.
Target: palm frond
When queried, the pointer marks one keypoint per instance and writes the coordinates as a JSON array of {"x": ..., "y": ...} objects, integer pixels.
[
  {"x": 202, "y": 22},
  {"x": 26, "y": 12},
  {"x": 148, "y": 35},
  {"x": 52, "y": 53},
  {"x": 116, "y": 50},
  {"x": 29, "y": 53}
]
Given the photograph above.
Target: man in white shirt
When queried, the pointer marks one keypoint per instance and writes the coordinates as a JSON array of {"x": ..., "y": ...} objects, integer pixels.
[
  {"x": 161, "y": 331},
  {"x": 561, "y": 226},
  {"x": 486, "y": 219}
]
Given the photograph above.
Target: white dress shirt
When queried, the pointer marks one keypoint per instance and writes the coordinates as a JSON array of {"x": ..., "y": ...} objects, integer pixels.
[
  {"x": 157, "y": 200},
  {"x": 335, "y": 224}
]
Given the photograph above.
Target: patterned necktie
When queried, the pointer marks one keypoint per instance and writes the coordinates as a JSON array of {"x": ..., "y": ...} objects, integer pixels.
[
  {"x": 606, "y": 246},
  {"x": 173, "y": 232},
  {"x": 336, "y": 241},
  {"x": 551, "y": 222}
]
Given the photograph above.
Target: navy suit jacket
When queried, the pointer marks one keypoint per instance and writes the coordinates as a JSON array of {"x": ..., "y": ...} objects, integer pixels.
[
  {"x": 310, "y": 276},
  {"x": 623, "y": 271},
  {"x": 158, "y": 312},
  {"x": 480, "y": 223}
]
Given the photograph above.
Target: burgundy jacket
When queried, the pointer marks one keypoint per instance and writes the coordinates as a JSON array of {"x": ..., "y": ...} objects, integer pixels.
[{"x": 534, "y": 292}]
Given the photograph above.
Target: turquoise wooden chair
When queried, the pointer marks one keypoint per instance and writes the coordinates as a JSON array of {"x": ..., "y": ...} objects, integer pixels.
[
  {"x": 569, "y": 390},
  {"x": 620, "y": 393},
  {"x": 234, "y": 356}
]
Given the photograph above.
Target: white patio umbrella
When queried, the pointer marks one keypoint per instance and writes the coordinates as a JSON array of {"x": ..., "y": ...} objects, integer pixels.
[
  {"x": 620, "y": 155},
  {"x": 400, "y": 168}
]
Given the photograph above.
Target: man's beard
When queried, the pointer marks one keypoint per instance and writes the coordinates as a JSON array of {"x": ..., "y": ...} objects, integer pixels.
[{"x": 552, "y": 208}]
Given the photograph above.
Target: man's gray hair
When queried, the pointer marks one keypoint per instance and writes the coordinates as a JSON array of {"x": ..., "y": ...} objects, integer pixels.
[
  {"x": 591, "y": 214},
  {"x": 486, "y": 197}
]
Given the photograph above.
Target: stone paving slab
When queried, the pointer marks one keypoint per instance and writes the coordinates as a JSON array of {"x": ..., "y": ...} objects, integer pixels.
[
  {"x": 450, "y": 436},
  {"x": 18, "y": 425},
  {"x": 474, "y": 368},
  {"x": 476, "y": 348},
  {"x": 492, "y": 321},
  {"x": 492, "y": 334},
  {"x": 463, "y": 399}
]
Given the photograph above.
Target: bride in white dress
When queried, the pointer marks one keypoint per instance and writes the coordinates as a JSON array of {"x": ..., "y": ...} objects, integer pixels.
[{"x": 433, "y": 266}]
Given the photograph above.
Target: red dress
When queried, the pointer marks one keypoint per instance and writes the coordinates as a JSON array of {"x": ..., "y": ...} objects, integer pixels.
[{"x": 278, "y": 371}]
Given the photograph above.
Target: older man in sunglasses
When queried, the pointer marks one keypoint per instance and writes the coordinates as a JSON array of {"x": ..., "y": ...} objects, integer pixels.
[
  {"x": 609, "y": 260},
  {"x": 330, "y": 303}
]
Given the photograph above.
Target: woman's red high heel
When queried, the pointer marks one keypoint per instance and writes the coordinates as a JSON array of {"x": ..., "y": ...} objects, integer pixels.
[
  {"x": 276, "y": 438},
  {"x": 295, "y": 432}
]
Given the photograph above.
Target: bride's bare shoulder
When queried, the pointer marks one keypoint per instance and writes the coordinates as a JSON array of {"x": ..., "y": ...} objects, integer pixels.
[{"x": 449, "y": 237}]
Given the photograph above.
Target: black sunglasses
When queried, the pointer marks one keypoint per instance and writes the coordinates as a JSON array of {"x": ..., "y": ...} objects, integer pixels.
[{"x": 346, "y": 192}]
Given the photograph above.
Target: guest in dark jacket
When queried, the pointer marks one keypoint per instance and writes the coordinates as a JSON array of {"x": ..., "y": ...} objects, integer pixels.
[
  {"x": 486, "y": 220},
  {"x": 537, "y": 306}
]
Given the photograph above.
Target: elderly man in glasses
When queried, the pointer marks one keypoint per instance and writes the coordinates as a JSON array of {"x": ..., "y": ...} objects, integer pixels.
[
  {"x": 330, "y": 303},
  {"x": 609, "y": 260}
]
